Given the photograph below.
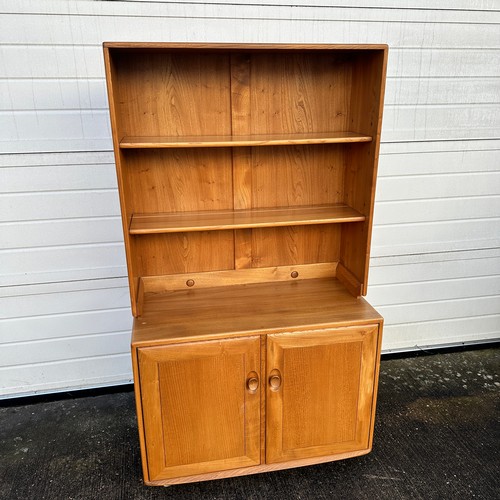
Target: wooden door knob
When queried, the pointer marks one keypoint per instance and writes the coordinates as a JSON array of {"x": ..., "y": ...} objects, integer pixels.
[
  {"x": 275, "y": 382},
  {"x": 252, "y": 384}
]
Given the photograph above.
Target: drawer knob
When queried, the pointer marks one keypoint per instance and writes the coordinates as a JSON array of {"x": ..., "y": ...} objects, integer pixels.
[
  {"x": 275, "y": 382},
  {"x": 252, "y": 384}
]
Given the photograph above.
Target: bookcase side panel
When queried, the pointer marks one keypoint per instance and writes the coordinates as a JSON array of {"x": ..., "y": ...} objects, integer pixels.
[
  {"x": 362, "y": 159},
  {"x": 112, "y": 82}
]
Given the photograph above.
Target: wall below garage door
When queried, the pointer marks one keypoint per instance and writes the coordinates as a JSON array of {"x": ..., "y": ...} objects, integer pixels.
[{"x": 435, "y": 276}]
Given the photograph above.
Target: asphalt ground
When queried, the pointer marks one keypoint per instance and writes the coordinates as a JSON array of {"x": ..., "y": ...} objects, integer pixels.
[{"x": 437, "y": 436}]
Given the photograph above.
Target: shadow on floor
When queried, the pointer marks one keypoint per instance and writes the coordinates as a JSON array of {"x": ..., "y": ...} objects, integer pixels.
[{"x": 437, "y": 436}]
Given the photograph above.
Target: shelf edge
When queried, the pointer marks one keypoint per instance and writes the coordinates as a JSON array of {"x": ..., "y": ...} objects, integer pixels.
[
  {"x": 193, "y": 221},
  {"x": 163, "y": 142}
]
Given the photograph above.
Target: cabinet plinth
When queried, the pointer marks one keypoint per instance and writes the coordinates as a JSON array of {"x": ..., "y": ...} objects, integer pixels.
[{"x": 246, "y": 176}]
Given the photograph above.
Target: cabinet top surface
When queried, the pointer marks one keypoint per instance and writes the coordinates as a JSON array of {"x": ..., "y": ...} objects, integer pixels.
[
  {"x": 241, "y": 46},
  {"x": 201, "y": 314}
]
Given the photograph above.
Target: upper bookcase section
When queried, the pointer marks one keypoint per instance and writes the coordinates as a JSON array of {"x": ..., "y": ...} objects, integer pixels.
[{"x": 197, "y": 95}]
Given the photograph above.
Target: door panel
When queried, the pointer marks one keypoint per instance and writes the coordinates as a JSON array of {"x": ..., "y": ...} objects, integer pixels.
[
  {"x": 321, "y": 402},
  {"x": 199, "y": 414}
]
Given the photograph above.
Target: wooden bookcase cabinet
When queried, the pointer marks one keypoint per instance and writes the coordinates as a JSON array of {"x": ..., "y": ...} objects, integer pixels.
[{"x": 246, "y": 176}]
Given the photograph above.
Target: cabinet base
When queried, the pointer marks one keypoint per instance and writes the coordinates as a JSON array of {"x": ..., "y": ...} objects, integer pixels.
[{"x": 245, "y": 471}]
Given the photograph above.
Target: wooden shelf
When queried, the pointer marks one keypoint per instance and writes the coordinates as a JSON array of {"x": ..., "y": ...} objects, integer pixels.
[
  {"x": 241, "y": 219},
  {"x": 221, "y": 141}
]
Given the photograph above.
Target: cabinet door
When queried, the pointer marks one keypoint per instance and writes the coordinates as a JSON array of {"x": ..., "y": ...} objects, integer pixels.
[
  {"x": 201, "y": 406},
  {"x": 320, "y": 392}
]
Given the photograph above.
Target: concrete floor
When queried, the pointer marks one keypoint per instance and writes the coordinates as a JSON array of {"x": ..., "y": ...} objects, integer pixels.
[{"x": 437, "y": 436}]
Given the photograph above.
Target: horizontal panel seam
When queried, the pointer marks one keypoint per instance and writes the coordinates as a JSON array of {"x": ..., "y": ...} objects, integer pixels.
[
  {"x": 437, "y": 222},
  {"x": 70, "y": 338},
  {"x": 18, "y": 223},
  {"x": 444, "y": 280},
  {"x": 67, "y": 360},
  {"x": 459, "y": 299},
  {"x": 445, "y": 320}
]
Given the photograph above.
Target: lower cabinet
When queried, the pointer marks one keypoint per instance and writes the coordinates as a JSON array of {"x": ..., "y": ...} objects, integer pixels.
[
  {"x": 219, "y": 405},
  {"x": 320, "y": 404},
  {"x": 199, "y": 415}
]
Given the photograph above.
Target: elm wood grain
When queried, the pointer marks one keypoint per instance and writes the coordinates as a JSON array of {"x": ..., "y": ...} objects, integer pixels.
[
  {"x": 291, "y": 93},
  {"x": 140, "y": 420},
  {"x": 242, "y": 219},
  {"x": 242, "y": 167},
  {"x": 172, "y": 253},
  {"x": 191, "y": 392},
  {"x": 367, "y": 93},
  {"x": 242, "y": 178},
  {"x": 212, "y": 141},
  {"x": 111, "y": 86},
  {"x": 140, "y": 296},
  {"x": 169, "y": 283},
  {"x": 231, "y": 311},
  {"x": 288, "y": 96},
  {"x": 297, "y": 176},
  {"x": 349, "y": 280},
  {"x": 169, "y": 181},
  {"x": 178, "y": 180},
  {"x": 374, "y": 394},
  {"x": 164, "y": 94},
  {"x": 294, "y": 94},
  {"x": 367, "y": 102},
  {"x": 323, "y": 405},
  {"x": 173, "y": 94},
  {"x": 263, "y": 355},
  {"x": 294, "y": 245},
  {"x": 240, "y": 96},
  {"x": 242, "y": 249}
]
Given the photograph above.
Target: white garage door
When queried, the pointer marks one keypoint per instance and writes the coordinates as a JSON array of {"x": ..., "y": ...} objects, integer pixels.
[{"x": 65, "y": 318}]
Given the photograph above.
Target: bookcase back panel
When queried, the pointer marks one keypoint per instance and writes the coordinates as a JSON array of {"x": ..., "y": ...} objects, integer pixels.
[
  {"x": 295, "y": 245},
  {"x": 160, "y": 254},
  {"x": 297, "y": 175},
  {"x": 178, "y": 180},
  {"x": 299, "y": 92},
  {"x": 169, "y": 93}
]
